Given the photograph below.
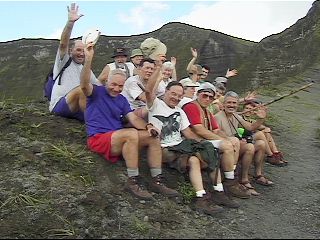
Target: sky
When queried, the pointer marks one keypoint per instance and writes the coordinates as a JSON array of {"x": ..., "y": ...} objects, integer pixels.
[{"x": 250, "y": 20}]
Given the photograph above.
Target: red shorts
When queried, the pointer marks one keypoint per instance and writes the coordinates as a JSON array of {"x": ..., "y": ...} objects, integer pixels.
[{"x": 101, "y": 143}]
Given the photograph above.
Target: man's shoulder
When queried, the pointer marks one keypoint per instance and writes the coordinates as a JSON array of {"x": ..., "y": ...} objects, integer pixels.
[{"x": 134, "y": 78}]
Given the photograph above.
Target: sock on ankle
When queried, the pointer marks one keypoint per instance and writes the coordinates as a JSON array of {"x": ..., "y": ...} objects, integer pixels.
[
  {"x": 229, "y": 175},
  {"x": 155, "y": 171},
  {"x": 200, "y": 193},
  {"x": 133, "y": 172},
  {"x": 218, "y": 187}
]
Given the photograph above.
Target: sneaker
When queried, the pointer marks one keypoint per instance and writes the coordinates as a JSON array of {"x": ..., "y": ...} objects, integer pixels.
[
  {"x": 220, "y": 198},
  {"x": 204, "y": 205},
  {"x": 274, "y": 160},
  {"x": 133, "y": 186},
  {"x": 233, "y": 187},
  {"x": 157, "y": 185}
]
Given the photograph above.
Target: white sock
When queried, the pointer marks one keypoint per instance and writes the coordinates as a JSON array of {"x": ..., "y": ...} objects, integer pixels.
[
  {"x": 229, "y": 175},
  {"x": 200, "y": 193},
  {"x": 218, "y": 187}
]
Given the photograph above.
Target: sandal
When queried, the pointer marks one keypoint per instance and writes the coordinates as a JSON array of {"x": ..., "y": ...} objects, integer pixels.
[
  {"x": 262, "y": 180},
  {"x": 250, "y": 188},
  {"x": 275, "y": 160},
  {"x": 279, "y": 155}
]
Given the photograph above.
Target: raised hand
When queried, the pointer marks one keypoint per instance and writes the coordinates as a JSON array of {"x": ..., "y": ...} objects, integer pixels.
[
  {"x": 232, "y": 73},
  {"x": 261, "y": 111},
  {"x": 73, "y": 13},
  {"x": 194, "y": 52},
  {"x": 89, "y": 51},
  {"x": 173, "y": 61},
  {"x": 251, "y": 96}
]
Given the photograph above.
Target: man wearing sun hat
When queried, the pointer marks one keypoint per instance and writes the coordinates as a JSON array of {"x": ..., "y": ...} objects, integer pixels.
[
  {"x": 136, "y": 56},
  {"x": 120, "y": 56}
]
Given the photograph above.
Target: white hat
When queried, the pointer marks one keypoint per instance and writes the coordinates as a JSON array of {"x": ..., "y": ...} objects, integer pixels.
[
  {"x": 207, "y": 87},
  {"x": 187, "y": 82},
  {"x": 91, "y": 35}
]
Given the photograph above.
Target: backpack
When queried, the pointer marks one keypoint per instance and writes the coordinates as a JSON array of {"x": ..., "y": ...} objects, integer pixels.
[{"x": 47, "y": 90}]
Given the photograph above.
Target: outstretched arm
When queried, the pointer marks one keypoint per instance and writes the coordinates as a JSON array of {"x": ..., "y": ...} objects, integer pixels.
[
  {"x": 150, "y": 90},
  {"x": 174, "y": 72},
  {"x": 73, "y": 16},
  {"x": 194, "y": 53},
  {"x": 85, "y": 74}
]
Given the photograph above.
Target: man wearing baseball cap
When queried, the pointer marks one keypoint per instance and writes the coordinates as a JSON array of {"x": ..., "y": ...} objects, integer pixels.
[{"x": 189, "y": 90}]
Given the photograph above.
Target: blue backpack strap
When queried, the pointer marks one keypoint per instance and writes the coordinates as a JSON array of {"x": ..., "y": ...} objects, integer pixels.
[{"x": 62, "y": 70}]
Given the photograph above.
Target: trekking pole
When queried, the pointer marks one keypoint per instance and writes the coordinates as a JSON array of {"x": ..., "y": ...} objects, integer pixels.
[{"x": 278, "y": 99}]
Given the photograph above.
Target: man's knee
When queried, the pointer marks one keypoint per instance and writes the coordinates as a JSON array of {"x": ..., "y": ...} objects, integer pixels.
[
  {"x": 259, "y": 145},
  {"x": 194, "y": 162},
  {"x": 249, "y": 148}
]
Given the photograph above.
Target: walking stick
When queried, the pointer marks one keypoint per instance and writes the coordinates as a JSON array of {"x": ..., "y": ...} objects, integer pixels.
[{"x": 278, "y": 99}]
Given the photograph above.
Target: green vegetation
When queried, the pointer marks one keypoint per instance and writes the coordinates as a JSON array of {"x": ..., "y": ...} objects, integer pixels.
[{"x": 187, "y": 191}]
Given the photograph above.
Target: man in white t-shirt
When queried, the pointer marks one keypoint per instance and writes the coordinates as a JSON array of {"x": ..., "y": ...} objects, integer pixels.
[
  {"x": 134, "y": 88},
  {"x": 67, "y": 98},
  {"x": 173, "y": 123}
]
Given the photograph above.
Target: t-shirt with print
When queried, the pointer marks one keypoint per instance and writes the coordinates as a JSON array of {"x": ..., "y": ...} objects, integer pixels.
[
  {"x": 104, "y": 112},
  {"x": 170, "y": 121},
  {"x": 228, "y": 126},
  {"x": 194, "y": 115},
  {"x": 70, "y": 79}
]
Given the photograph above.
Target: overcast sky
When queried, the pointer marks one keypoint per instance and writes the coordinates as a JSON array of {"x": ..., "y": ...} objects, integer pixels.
[{"x": 251, "y": 20}]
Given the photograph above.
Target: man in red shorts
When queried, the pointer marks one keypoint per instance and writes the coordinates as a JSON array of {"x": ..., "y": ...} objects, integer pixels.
[{"x": 105, "y": 110}]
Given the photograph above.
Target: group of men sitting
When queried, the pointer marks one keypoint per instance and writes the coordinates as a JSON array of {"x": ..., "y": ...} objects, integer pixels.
[{"x": 140, "y": 104}]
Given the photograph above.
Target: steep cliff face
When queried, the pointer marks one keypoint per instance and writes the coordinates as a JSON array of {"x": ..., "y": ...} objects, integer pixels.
[
  {"x": 25, "y": 62},
  {"x": 289, "y": 53}
]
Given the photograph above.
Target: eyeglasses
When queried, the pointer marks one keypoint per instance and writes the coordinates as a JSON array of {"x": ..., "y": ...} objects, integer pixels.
[{"x": 206, "y": 96}]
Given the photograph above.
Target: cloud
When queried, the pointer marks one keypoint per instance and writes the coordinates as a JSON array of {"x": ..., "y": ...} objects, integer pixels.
[
  {"x": 251, "y": 20},
  {"x": 144, "y": 18},
  {"x": 55, "y": 35}
]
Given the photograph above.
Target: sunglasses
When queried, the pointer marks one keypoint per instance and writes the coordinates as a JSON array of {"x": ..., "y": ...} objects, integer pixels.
[{"x": 206, "y": 96}]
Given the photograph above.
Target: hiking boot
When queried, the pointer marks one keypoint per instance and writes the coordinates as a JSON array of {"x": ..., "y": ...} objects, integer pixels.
[
  {"x": 220, "y": 198},
  {"x": 132, "y": 185},
  {"x": 204, "y": 205},
  {"x": 233, "y": 187},
  {"x": 274, "y": 160},
  {"x": 157, "y": 185}
]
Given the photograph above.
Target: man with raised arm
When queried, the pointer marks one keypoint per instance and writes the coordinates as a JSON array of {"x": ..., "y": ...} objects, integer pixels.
[
  {"x": 229, "y": 121},
  {"x": 105, "y": 109},
  {"x": 181, "y": 154},
  {"x": 67, "y": 99}
]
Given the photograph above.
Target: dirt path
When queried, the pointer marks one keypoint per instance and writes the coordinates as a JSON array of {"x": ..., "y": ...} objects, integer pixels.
[{"x": 291, "y": 208}]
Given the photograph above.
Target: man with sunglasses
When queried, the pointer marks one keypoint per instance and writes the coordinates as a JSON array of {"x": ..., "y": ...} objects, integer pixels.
[{"x": 203, "y": 123}]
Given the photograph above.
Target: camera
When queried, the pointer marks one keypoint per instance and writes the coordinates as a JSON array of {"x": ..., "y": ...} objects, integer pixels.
[{"x": 244, "y": 134}]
